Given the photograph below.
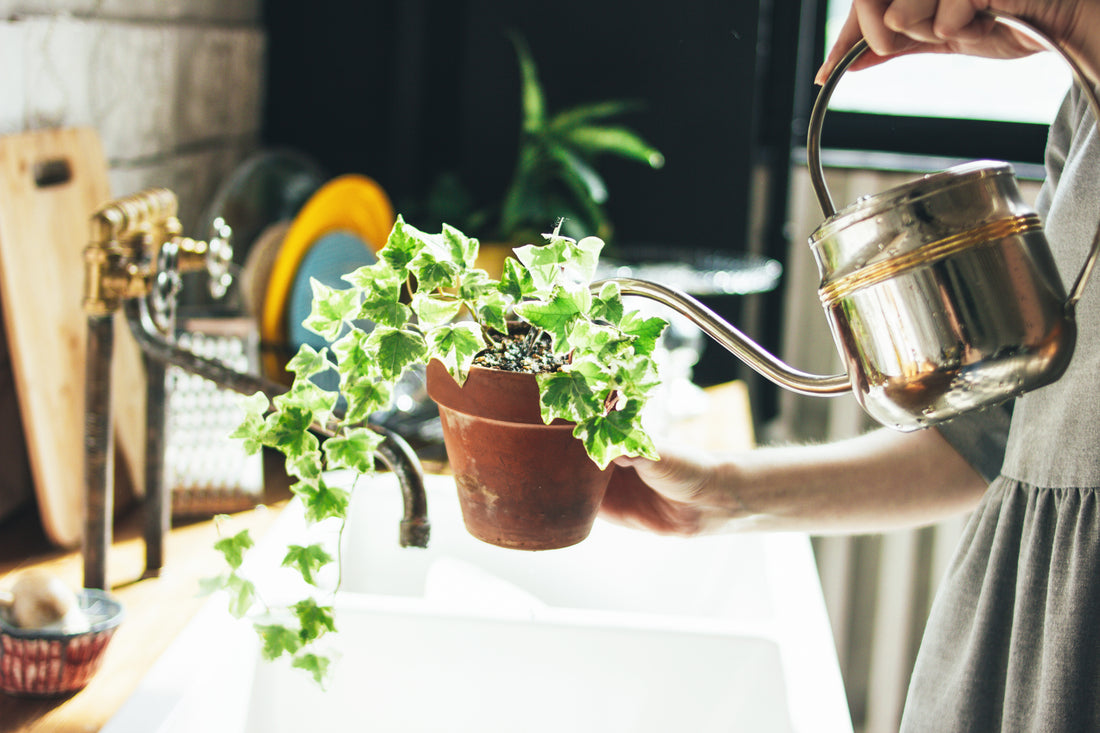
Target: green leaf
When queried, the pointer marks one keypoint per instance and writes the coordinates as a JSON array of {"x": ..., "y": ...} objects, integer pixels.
[
  {"x": 354, "y": 449},
  {"x": 314, "y": 619},
  {"x": 321, "y": 500},
  {"x": 354, "y": 356},
  {"x": 251, "y": 428},
  {"x": 432, "y": 271},
  {"x": 308, "y": 361},
  {"x": 607, "y": 305},
  {"x": 544, "y": 264},
  {"x": 278, "y": 640},
  {"x": 456, "y": 345},
  {"x": 557, "y": 315},
  {"x": 463, "y": 249},
  {"x": 234, "y": 548},
  {"x": 395, "y": 350},
  {"x": 242, "y": 595},
  {"x": 590, "y": 182},
  {"x": 365, "y": 396},
  {"x": 567, "y": 395},
  {"x": 515, "y": 281},
  {"x": 492, "y": 311},
  {"x": 331, "y": 307},
  {"x": 404, "y": 244},
  {"x": 534, "y": 106},
  {"x": 593, "y": 140},
  {"x": 646, "y": 331},
  {"x": 315, "y": 664},
  {"x": 617, "y": 433},
  {"x": 435, "y": 310},
  {"x": 567, "y": 119},
  {"x": 307, "y": 560},
  {"x": 380, "y": 287}
]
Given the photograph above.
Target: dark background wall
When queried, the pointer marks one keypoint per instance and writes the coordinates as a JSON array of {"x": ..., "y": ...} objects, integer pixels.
[{"x": 403, "y": 90}]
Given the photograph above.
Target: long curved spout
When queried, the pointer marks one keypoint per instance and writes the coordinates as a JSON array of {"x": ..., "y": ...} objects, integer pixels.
[
  {"x": 733, "y": 340},
  {"x": 394, "y": 452}
]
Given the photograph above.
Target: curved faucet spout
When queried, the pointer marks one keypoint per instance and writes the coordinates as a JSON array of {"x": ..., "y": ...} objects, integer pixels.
[
  {"x": 733, "y": 340},
  {"x": 394, "y": 452}
]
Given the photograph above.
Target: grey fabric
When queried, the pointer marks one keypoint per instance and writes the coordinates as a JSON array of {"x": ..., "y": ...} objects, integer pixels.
[
  {"x": 980, "y": 437},
  {"x": 1013, "y": 641}
]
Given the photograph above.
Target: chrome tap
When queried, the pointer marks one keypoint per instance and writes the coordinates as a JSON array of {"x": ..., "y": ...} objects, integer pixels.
[{"x": 134, "y": 262}]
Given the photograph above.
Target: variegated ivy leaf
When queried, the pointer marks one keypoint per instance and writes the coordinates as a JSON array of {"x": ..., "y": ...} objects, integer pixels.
[
  {"x": 277, "y": 640},
  {"x": 607, "y": 305},
  {"x": 544, "y": 263},
  {"x": 476, "y": 284},
  {"x": 353, "y": 449},
  {"x": 456, "y": 345},
  {"x": 463, "y": 249},
  {"x": 435, "y": 310},
  {"x": 322, "y": 500},
  {"x": 255, "y": 406},
  {"x": 313, "y": 619},
  {"x": 516, "y": 282},
  {"x": 395, "y": 349},
  {"x": 404, "y": 244},
  {"x": 558, "y": 314},
  {"x": 584, "y": 257},
  {"x": 567, "y": 395},
  {"x": 646, "y": 331},
  {"x": 380, "y": 287},
  {"x": 616, "y": 433},
  {"x": 306, "y": 559},
  {"x": 306, "y": 395},
  {"x": 331, "y": 307},
  {"x": 287, "y": 430},
  {"x": 316, "y": 665},
  {"x": 594, "y": 338},
  {"x": 492, "y": 311},
  {"x": 308, "y": 361},
  {"x": 432, "y": 271},
  {"x": 354, "y": 356},
  {"x": 305, "y": 466},
  {"x": 365, "y": 396}
]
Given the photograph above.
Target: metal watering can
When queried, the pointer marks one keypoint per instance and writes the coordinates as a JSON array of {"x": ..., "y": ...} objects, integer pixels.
[{"x": 941, "y": 294}]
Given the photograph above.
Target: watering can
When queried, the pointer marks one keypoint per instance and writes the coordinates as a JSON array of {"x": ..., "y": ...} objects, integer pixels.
[{"x": 941, "y": 294}]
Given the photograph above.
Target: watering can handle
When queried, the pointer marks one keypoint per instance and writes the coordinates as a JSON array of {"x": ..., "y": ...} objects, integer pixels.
[{"x": 817, "y": 116}]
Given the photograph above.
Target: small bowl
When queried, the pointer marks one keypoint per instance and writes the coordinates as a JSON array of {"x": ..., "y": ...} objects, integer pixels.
[{"x": 43, "y": 663}]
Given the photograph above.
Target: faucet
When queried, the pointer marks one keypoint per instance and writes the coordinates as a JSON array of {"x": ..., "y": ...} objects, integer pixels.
[{"x": 134, "y": 262}]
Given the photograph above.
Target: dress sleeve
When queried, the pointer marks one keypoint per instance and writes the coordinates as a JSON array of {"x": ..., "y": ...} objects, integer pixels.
[{"x": 981, "y": 437}]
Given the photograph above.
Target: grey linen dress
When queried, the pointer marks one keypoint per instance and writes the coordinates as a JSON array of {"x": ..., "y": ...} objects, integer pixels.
[{"x": 1013, "y": 641}]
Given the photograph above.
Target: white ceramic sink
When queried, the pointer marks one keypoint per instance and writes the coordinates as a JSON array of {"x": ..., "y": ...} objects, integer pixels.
[{"x": 626, "y": 631}]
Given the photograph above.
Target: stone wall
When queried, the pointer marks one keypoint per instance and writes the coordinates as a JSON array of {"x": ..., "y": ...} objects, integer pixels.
[{"x": 174, "y": 87}]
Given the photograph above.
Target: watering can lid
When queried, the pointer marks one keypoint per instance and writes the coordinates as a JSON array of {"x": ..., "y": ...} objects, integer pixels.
[{"x": 871, "y": 205}]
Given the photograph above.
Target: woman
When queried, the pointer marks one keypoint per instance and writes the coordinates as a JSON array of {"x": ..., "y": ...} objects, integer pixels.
[{"x": 1013, "y": 641}]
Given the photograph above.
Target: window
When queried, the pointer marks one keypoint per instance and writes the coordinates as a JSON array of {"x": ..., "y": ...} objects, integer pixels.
[{"x": 950, "y": 104}]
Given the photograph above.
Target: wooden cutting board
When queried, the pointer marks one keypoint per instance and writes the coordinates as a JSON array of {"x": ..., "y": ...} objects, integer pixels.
[{"x": 51, "y": 182}]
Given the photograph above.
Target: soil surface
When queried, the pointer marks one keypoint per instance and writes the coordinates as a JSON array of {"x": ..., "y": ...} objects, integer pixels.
[{"x": 517, "y": 352}]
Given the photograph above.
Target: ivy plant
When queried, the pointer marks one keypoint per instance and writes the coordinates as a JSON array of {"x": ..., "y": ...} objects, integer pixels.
[{"x": 426, "y": 299}]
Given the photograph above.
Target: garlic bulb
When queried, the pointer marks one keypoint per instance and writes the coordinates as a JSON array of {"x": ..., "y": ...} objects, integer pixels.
[{"x": 39, "y": 600}]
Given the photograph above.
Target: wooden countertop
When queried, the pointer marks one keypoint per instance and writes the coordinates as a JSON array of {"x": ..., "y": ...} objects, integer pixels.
[{"x": 158, "y": 608}]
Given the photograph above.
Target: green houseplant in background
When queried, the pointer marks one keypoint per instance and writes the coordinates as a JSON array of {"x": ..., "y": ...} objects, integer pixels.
[
  {"x": 555, "y": 172},
  {"x": 425, "y": 302}
]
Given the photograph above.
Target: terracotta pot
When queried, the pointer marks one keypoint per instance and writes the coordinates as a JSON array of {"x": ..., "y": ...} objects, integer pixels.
[{"x": 522, "y": 484}]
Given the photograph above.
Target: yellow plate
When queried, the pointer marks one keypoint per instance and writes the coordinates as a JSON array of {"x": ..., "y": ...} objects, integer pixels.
[{"x": 350, "y": 203}]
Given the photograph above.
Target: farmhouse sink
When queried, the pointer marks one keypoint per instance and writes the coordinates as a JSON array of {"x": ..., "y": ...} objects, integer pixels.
[{"x": 626, "y": 631}]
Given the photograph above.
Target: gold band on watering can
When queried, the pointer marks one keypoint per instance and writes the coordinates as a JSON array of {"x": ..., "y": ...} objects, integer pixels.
[{"x": 926, "y": 255}]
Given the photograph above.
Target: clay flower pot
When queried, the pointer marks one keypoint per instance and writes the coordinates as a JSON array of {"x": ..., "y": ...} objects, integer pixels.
[{"x": 522, "y": 484}]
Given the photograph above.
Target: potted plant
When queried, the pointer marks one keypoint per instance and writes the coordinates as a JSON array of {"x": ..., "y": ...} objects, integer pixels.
[
  {"x": 537, "y": 351},
  {"x": 555, "y": 172}
]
